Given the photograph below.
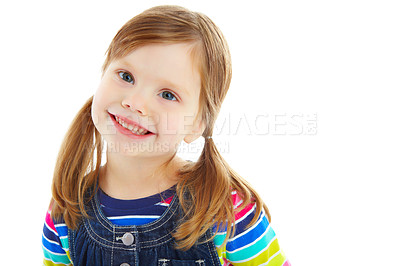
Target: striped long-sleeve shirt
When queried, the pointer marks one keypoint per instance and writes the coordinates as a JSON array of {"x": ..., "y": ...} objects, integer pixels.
[{"x": 256, "y": 245}]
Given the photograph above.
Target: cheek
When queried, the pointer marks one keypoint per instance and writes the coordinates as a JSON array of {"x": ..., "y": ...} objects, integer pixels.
[
  {"x": 100, "y": 104},
  {"x": 104, "y": 93},
  {"x": 169, "y": 124},
  {"x": 173, "y": 124}
]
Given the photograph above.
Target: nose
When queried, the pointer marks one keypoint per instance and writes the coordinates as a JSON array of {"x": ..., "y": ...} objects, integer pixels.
[{"x": 135, "y": 103}]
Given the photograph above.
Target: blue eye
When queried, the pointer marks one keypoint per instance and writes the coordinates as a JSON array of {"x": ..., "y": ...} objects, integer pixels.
[
  {"x": 125, "y": 76},
  {"x": 168, "y": 94}
]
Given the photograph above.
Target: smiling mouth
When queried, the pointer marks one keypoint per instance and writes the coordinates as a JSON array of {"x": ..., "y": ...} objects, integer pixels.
[{"x": 133, "y": 128}]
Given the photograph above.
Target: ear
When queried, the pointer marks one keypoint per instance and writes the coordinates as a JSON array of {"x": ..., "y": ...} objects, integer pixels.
[{"x": 198, "y": 129}]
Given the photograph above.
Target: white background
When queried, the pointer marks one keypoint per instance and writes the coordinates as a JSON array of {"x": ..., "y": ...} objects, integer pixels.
[{"x": 315, "y": 86}]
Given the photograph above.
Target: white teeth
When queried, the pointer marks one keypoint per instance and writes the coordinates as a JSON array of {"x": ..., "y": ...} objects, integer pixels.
[{"x": 134, "y": 129}]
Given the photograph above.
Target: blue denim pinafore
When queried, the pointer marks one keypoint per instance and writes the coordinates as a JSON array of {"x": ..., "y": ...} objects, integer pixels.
[{"x": 98, "y": 242}]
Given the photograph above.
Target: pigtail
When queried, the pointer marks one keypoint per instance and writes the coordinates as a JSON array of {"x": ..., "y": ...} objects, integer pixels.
[
  {"x": 203, "y": 197},
  {"x": 76, "y": 170},
  {"x": 205, "y": 193}
]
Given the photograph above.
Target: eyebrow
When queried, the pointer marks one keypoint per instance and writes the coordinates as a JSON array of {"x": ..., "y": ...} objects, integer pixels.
[
  {"x": 169, "y": 83},
  {"x": 173, "y": 85}
]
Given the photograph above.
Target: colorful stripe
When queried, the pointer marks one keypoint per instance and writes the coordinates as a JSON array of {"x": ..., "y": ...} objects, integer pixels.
[
  {"x": 256, "y": 245},
  {"x": 133, "y": 219},
  {"x": 55, "y": 243}
]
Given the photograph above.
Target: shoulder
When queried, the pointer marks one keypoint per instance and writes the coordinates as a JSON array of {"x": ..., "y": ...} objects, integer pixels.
[
  {"x": 55, "y": 241},
  {"x": 238, "y": 203},
  {"x": 252, "y": 243},
  {"x": 244, "y": 215},
  {"x": 54, "y": 228}
]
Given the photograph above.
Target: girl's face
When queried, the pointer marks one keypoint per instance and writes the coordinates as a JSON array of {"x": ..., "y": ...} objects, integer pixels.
[{"x": 156, "y": 87}]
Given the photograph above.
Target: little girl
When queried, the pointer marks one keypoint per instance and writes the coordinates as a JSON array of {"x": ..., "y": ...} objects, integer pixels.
[{"x": 165, "y": 77}]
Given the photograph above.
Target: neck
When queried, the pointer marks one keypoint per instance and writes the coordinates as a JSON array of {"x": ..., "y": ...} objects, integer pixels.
[{"x": 126, "y": 177}]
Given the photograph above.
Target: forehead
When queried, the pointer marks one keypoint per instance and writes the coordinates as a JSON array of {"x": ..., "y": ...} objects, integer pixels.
[{"x": 170, "y": 63}]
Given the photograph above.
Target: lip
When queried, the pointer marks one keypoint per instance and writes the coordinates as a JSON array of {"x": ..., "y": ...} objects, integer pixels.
[{"x": 127, "y": 132}]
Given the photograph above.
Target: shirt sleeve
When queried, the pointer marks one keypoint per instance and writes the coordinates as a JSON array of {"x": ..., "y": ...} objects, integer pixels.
[
  {"x": 55, "y": 243},
  {"x": 256, "y": 245}
]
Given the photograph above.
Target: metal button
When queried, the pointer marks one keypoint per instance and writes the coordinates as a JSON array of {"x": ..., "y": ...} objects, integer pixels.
[
  {"x": 128, "y": 239},
  {"x": 124, "y": 264},
  {"x": 164, "y": 262}
]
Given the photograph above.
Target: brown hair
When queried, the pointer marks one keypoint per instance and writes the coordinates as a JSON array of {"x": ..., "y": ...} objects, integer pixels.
[{"x": 205, "y": 186}]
